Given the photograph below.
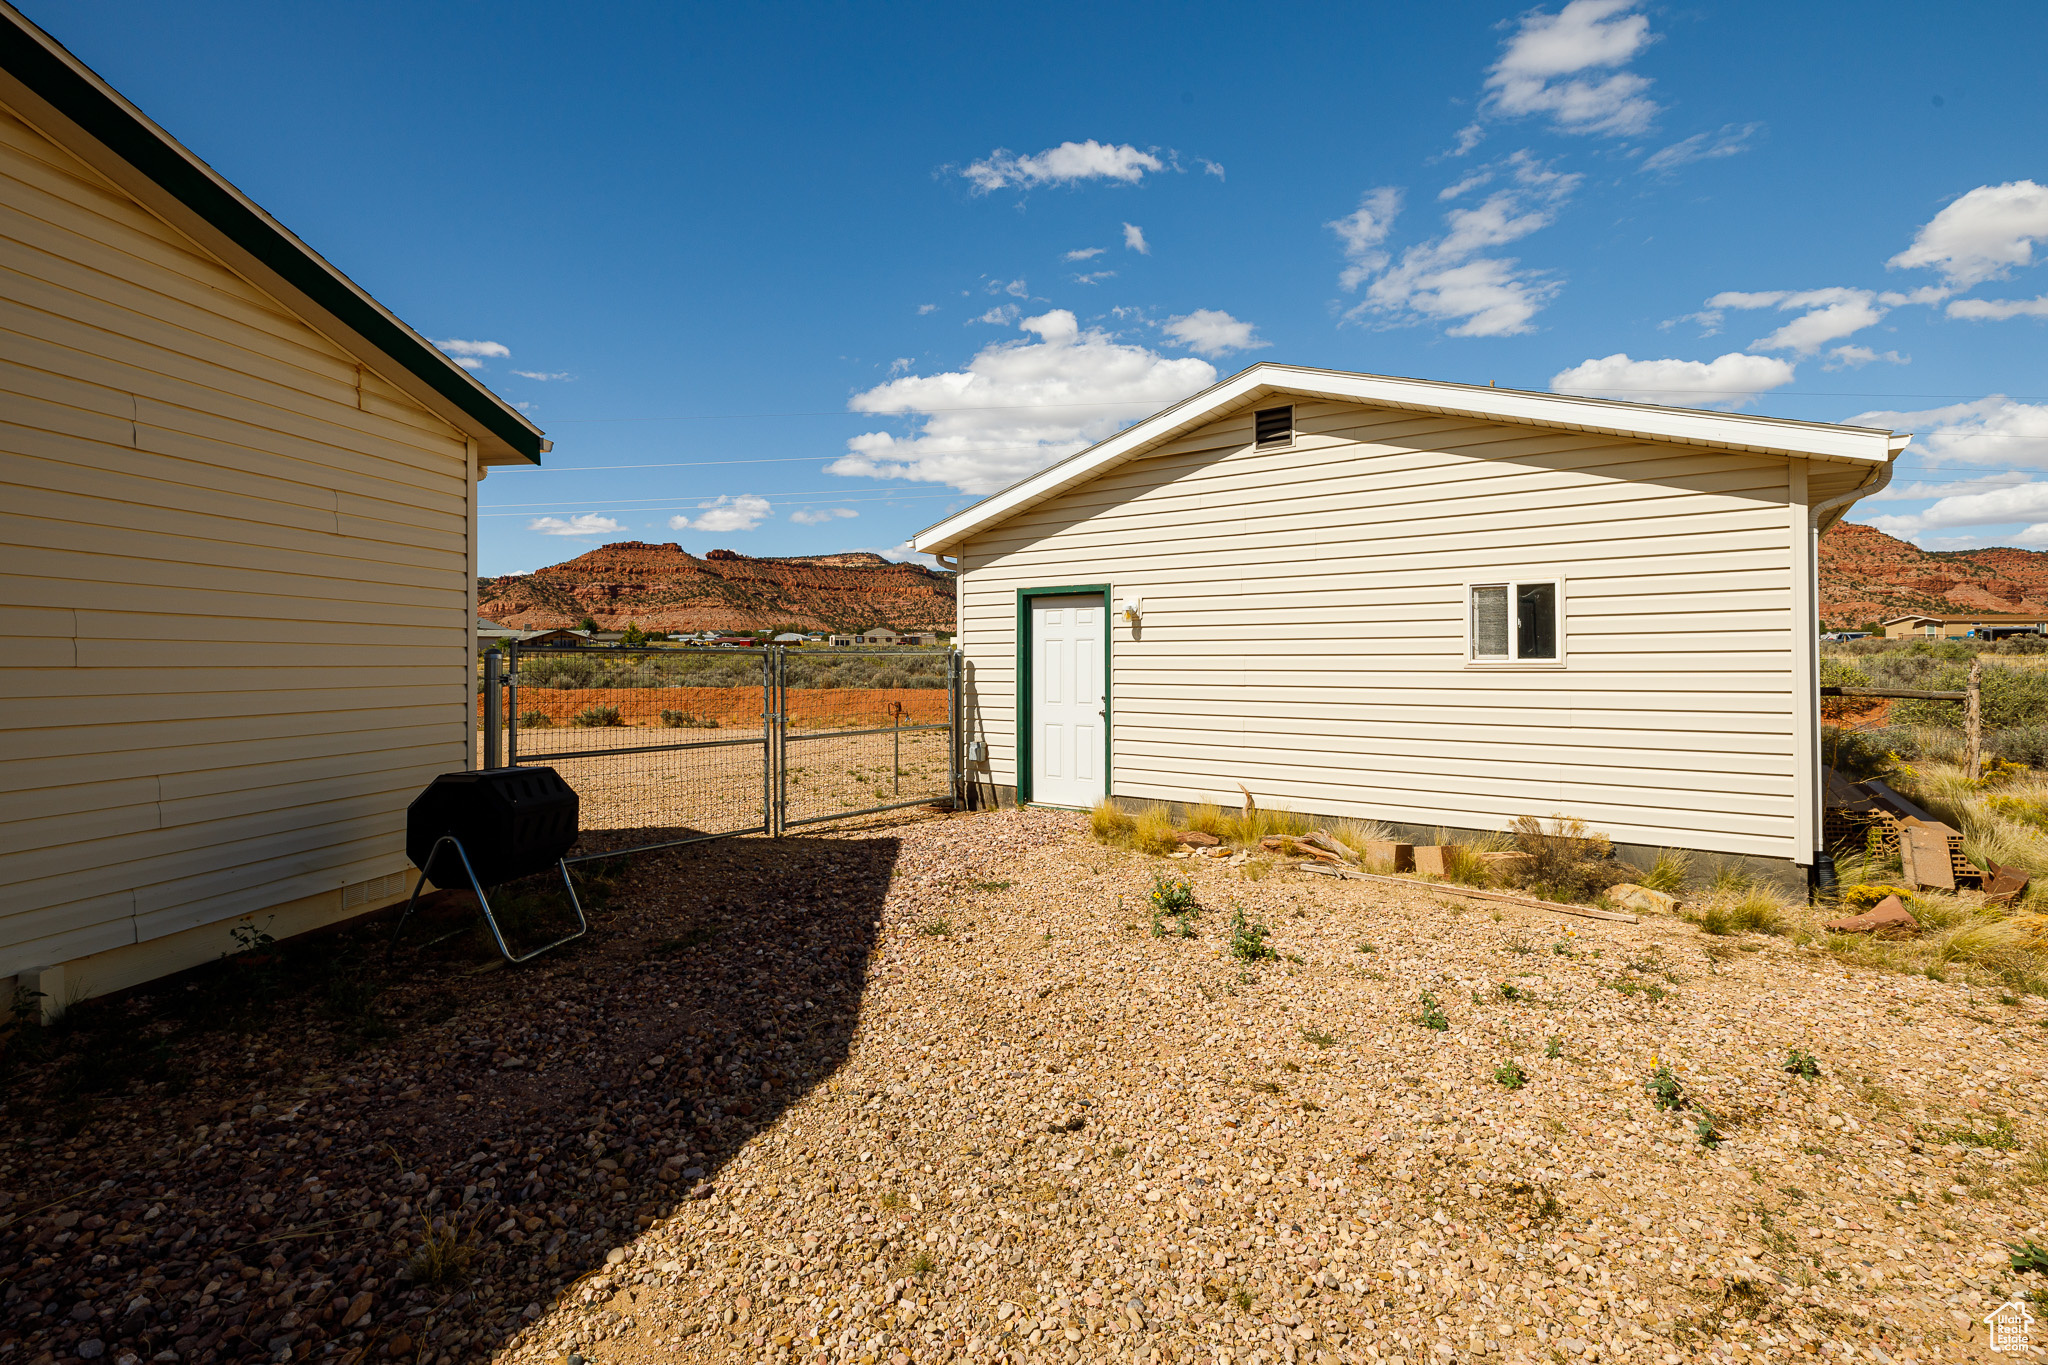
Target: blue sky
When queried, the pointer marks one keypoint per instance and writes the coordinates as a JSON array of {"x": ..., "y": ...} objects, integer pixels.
[{"x": 793, "y": 279}]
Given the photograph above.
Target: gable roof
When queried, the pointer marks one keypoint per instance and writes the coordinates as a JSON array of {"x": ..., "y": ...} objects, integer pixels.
[
  {"x": 1865, "y": 446},
  {"x": 69, "y": 104}
]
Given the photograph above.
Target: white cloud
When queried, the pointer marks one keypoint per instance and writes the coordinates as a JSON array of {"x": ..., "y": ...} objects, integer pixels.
[
  {"x": 1212, "y": 332},
  {"x": 1983, "y": 234},
  {"x": 1856, "y": 357},
  {"x": 1017, "y": 406},
  {"x": 1470, "y": 136},
  {"x": 902, "y": 554},
  {"x": 1539, "y": 73},
  {"x": 1825, "y": 315},
  {"x": 1086, "y": 253},
  {"x": 1732, "y": 140},
  {"x": 1002, "y": 315},
  {"x": 1447, "y": 279},
  {"x": 1134, "y": 239},
  {"x": 1470, "y": 182},
  {"x": 1919, "y": 488},
  {"x": 819, "y": 516},
  {"x": 471, "y": 355},
  {"x": 582, "y": 524},
  {"x": 924, "y": 308},
  {"x": 535, "y": 374},
  {"x": 1993, "y": 430},
  {"x": 1209, "y": 167},
  {"x": 1066, "y": 164},
  {"x": 1999, "y": 309},
  {"x": 1093, "y": 277},
  {"x": 2026, "y": 502},
  {"x": 901, "y": 365},
  {"x": 727, "y": 512},
  {"x": 1727, "y": 381},
  {"x": 1364, "y": 232}
]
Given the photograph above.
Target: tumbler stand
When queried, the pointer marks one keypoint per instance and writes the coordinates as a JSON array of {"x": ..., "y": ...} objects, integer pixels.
[{"x": 482, "y": 900}]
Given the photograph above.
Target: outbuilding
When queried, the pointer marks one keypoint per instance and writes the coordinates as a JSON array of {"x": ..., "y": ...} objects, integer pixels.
[
  {"x": 1981, "y": 626},
  {"x": 1441, "y": 606},
  {"x": 238, "y": 505}
]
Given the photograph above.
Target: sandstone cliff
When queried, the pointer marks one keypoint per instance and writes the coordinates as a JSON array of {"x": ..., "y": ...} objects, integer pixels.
[
  {"x": 1866, "y": 575},
  {"x": 661, "y": 587}
]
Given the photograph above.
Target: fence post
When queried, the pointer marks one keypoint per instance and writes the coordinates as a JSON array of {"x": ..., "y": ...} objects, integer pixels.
[
  {"x": 1973, "y": 719},
  {"x": 512, "y": 706},
  {"x": 770, "y": 656},
  {"x": 494, "y": 711}
]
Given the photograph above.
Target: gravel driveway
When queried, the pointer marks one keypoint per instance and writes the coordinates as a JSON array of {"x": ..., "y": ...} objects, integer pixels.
[{"x": 937, "y": 1091}]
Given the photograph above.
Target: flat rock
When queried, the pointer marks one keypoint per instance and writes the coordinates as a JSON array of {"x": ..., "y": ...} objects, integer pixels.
[
  {"x": 1642, "y": 899},
  {"x": 1889, "y": 918},
  {"x": 1194, "y": 838}
]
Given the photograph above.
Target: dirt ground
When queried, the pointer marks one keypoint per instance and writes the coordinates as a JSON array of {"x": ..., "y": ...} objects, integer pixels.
[{"x": 937, "y": 1091}]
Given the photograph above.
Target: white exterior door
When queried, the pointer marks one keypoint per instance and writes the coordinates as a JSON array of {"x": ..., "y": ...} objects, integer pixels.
[{"x": 1068, "y": 717}]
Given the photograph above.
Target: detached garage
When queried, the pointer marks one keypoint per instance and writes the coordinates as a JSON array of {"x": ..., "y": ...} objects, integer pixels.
[
  {"x": 1435, "y": 605},
  {"x": 237, "y": 553}
]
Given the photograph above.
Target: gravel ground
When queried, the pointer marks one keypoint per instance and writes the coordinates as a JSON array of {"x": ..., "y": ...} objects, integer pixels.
[{"x": 936, "y": 1090}]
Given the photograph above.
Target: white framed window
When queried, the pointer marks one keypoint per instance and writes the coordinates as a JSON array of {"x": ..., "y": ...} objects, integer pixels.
[{"x": 1515, "y": 621}]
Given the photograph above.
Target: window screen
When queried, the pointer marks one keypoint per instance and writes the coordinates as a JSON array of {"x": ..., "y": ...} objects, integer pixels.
[
  {"x": 1273, "y": 427},
  {"x": 1490, "y": 623},
  {"x": 1536, "y": 620},
  {"x": 1517, "y": 621}
]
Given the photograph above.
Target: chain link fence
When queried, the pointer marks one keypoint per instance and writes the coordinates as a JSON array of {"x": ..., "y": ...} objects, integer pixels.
[{"x": 671, "y": 746}]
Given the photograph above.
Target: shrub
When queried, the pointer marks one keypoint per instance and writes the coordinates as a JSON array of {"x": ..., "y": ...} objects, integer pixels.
[
  {"x": 1208, "y": 818},
  {"x": 1802, "y": 1064},
  {"x": 1666, "y": 1089},
  {"x": 1863, "y": 897},
  {"x": 535, "y": 720},
  {"x": 597, "y": 717},
  {"x": 1565, "y": 862},
  {"x": 2011, "y": 697},
  {"x": 1433, "y": 1016},
  {"x": 1859, "y": 753},
  {"x": 1173, "y": 895},
  {"x": 1248, "y": 940},
  {"x": 1464, "y": 865},
  {"x": 687, "y": 720},
  {"x": 2026, "y": 744},
  {"x": 1511, "y": 1075}
]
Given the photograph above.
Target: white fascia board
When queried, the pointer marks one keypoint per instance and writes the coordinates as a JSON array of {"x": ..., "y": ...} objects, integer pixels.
[{"x": 1561, "y": 412}]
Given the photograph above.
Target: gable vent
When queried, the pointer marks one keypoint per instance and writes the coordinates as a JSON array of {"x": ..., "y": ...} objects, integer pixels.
[{"x": 1272, "y": 427}]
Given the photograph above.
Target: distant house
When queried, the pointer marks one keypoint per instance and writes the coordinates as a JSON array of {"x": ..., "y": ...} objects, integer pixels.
[
  {"x": 788, "y": 637},
  {"x": 880, "y": 635},
  {"x": 843, "y": 641},
  {"x": 238, "y": 500},
  {"x": 1982, "y": 626}
]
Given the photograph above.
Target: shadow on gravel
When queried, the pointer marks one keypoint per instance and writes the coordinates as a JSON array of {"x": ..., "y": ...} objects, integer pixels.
[{"x": 298, "y": 1153}]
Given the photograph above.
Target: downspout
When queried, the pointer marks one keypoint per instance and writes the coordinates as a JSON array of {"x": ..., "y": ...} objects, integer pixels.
[{"x": 1822, "y": 867}]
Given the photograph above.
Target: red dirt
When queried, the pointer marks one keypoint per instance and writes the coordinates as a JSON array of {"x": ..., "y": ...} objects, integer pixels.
[{"x": 739, "y": 706}]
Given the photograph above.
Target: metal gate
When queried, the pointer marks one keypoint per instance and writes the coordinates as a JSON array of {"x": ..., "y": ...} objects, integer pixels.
[{"x": 681, "y": 745}]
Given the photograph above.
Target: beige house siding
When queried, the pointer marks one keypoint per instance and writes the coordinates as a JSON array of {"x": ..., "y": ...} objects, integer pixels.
[
  {"x": 1303, "y": 630},
  {"x": 237, "y": 592}
]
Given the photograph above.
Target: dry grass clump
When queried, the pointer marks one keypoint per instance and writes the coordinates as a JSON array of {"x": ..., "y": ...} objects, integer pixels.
[
  {"x": 1670, "y": 873},
  {"x": 1111, "y": 824},
  {"x": 1149, "y": 831}
]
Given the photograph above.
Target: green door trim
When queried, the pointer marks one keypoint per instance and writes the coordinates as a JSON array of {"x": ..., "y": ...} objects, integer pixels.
[{"x": 1024, "y": 654}]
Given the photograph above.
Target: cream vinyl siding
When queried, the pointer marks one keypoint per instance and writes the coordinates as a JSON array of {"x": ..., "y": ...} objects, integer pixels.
[
  {"x": 1304, "y": 625},
  {"x": 236, "y": 571}
]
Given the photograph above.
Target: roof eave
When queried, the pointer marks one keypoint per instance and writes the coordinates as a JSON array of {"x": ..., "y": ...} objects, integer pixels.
[
  {"x": 75, "y": 108},
  {"x": 1639, "y": 421}
]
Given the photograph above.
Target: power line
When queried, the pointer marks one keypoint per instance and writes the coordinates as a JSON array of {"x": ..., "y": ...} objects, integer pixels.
[{"x": 1126, "y": 402}]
